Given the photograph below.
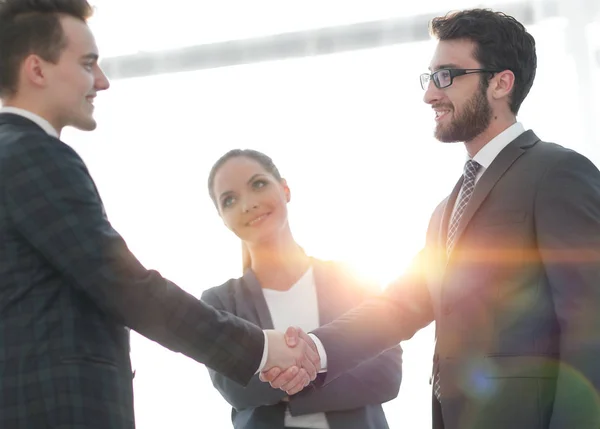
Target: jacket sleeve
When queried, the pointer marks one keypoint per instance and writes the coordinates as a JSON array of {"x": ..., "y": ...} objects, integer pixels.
[
  {"x": 567, "y": 219},
  {"x": 253, "y": 395},
  {"x": 53, "y": 204},
  {"x": 378, "y": 324},
  {"x": 373, "y": 382}
]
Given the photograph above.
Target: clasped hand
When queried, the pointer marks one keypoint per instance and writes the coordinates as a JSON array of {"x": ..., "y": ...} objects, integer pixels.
[{"x": 292, "y": 360}]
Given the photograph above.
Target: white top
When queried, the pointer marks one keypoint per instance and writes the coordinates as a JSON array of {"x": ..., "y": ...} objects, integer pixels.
[{"x": 297, "y": 306}]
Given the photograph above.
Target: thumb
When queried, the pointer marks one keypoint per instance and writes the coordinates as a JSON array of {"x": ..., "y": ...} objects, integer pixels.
[
  {"x": 270, "y": 375},
  {"x": 292, "y": 337}
]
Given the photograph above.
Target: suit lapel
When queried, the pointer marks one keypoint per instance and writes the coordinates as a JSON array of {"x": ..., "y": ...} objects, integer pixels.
[
  {"x": 490, "y": 177},
  {"x": 258, "y": 299}
]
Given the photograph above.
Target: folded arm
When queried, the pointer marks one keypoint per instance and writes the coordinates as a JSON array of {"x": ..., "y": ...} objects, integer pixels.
[
  {"x": 255, "y": 393},
  {"x": 373, "y": 382}
]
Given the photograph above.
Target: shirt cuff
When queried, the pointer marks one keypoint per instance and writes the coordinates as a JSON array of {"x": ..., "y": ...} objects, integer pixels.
[
  {"x": 321, "y": 351},
  {"x": 263, "y": 361}
]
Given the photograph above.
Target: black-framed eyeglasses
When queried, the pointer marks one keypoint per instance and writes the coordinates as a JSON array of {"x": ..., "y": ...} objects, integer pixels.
[{"x": 443, "y": 78}]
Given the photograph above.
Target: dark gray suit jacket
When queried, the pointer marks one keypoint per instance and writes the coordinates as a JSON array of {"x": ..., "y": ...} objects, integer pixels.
[
  {"x": 516, "y": 304},
  {"x": 68, "y": 288},
  {"x": 352, "y": 401}
]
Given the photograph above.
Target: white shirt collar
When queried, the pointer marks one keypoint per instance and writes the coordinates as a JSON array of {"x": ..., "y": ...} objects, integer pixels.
[
  {"x": 41, "y": 122},
  {"x": 490, "y": 151}
]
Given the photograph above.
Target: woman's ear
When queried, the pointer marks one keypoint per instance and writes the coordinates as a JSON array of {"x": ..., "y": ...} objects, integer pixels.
[{"x": 286, "y": 190}]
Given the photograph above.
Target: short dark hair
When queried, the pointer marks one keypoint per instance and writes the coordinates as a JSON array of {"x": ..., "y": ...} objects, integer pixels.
[
  {"x": 33, "y": 27},
  {"x": 502, "y": 43},
  {"x": 265, "y": 161}
]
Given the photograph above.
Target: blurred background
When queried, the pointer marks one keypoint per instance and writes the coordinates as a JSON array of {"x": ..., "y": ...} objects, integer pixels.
[{"x": 330, "y": 90}]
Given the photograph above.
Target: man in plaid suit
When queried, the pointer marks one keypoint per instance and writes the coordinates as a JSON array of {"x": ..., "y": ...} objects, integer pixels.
[{"x": 69, "y": 287}]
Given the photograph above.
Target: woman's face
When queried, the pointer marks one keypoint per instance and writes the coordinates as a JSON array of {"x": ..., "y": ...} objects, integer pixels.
[{"x": 251, "y": 202}]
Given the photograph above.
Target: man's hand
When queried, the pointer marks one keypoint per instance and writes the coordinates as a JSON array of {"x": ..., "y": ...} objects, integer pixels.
[
  {"x": 291, "y": 360},
  {"x": 295, "y": 378}
]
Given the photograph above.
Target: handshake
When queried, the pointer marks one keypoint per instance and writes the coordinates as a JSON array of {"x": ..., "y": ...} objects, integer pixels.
[{"x": 293, "y": 360}]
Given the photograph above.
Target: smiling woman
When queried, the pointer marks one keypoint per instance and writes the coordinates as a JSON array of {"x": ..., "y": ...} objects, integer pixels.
[
  {"x": 283, "y": 287},
  {"x": 252, "y": 198}
]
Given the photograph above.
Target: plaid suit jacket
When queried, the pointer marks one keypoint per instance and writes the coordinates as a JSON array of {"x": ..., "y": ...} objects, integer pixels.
[{"x": 68, "y": 288}]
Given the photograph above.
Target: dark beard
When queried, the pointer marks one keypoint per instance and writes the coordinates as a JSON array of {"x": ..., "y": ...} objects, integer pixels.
[{"x": 474, "y": 120}]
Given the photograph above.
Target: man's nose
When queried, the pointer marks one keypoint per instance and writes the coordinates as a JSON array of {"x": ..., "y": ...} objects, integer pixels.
[{"x": 432, "y": 93}]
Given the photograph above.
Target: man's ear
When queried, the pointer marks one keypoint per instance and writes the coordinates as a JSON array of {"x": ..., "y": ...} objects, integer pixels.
[
  {"x": 34, "y": 71},
  {"x": 502, "y": 84}
]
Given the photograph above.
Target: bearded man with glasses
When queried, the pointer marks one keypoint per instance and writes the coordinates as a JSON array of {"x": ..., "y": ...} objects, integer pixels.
[{"x": 510, "y": 272}]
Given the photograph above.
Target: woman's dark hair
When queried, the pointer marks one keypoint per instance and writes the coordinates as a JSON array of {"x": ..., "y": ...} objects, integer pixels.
[{"x": 265, "y": 161}]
